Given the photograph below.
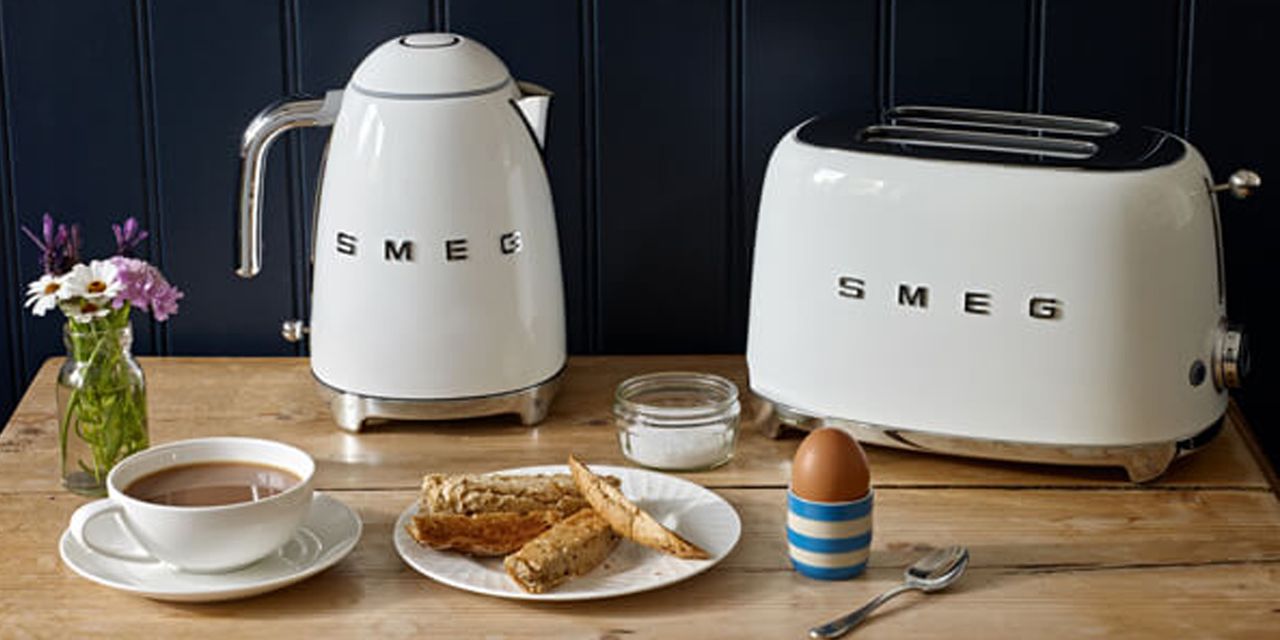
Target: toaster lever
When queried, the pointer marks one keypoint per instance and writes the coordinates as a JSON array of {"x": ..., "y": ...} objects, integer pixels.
[{"x": 1241, "y": 184}]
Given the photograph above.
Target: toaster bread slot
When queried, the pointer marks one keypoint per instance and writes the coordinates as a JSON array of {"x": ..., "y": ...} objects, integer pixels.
[
  {"x": 981, "y": 141},
  {"x": 1008, "y": 120}
]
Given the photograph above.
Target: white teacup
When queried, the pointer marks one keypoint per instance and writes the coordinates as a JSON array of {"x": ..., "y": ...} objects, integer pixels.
[{"x": 206, "y": 539}]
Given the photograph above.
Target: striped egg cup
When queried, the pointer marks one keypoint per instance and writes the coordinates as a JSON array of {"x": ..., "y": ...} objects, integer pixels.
[{"x": 829, "y": 540}]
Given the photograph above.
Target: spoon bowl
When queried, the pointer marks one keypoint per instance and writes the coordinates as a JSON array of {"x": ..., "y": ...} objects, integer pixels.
[{"x": 938, "y": 570}]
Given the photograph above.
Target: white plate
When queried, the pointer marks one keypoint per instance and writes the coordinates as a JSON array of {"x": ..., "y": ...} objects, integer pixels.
[
  {"x": 696, "y": 513},
  {"x": 329, "y": 533}
]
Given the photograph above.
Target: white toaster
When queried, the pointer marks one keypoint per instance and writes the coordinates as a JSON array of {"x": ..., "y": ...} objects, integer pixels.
[{"x": 995, "y": 284}]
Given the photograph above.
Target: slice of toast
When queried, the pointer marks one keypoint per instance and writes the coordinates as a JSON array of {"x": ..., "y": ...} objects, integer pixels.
[
  {"x": 468, "y": 494},
  {"x": 570, "y": 548},
  {"x": 628, "y": 520},
  {"x": 481, "y": 534}
]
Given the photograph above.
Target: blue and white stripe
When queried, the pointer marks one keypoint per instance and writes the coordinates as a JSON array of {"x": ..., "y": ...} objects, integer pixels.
[{"x": 829, "y": 541}]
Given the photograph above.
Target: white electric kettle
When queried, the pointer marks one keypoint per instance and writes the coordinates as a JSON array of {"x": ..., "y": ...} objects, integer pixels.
[{"x": 436, "y": 290}]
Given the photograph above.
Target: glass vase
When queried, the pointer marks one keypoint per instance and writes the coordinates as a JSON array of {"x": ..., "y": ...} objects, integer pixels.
[{"x": 102, "y": 405}]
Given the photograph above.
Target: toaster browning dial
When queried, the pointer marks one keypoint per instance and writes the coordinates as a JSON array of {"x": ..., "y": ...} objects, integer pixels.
[{"x": 1231, "y": 359}]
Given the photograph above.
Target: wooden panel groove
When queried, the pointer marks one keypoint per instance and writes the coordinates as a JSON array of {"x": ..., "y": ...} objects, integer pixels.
[
  {"x": 1135, "y": 566},
  {"x": 152, "y": 216},
  {"x": 13, "y": 351},
  {"x": 738, "y": 252},
  {"x": 440, "y": 15},
  {"x": 1101, "y": 489},
  {"x": 291, "y": 72},
  {"x": 884, "y": 53},
  {"x": 593, "y": 307},
  {"x": 1186, "y": 52},
  {"x": 1130, "y": 488},
  {"x": 1035, "y": 54}
]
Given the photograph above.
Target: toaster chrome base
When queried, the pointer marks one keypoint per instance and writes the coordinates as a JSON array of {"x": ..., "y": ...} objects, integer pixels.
[
  {"x": 352, "y": 410},
  {"x": 1143, "y": 462}
]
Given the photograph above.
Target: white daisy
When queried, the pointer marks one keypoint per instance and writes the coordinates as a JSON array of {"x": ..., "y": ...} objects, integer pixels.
[
  {"x": 98, "y": 282},
  {"x": 86, "y": 309},
  {"x": 45, "y": 293}
]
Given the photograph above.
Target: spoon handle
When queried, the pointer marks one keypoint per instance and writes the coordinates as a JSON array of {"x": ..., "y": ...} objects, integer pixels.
[{"x": 842, "y": 625}]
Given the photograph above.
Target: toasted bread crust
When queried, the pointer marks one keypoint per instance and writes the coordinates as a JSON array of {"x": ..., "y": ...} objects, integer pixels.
[
  {"x": 570, "y": 548},
  {"x": 482, "y": 534},
  {"x": 469, "y": 494},
  {"x": 628, "y": 520}
]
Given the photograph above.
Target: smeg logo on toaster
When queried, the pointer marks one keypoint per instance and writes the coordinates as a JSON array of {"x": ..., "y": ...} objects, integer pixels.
[
  {"x": 405, "y": 250},
  {"x": 978, "y": 303}
]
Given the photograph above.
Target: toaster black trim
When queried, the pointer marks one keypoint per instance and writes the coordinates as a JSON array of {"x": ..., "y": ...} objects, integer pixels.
[
  {"x": 1009, "y": 138},
  {"x": 1204, "y": 437}
]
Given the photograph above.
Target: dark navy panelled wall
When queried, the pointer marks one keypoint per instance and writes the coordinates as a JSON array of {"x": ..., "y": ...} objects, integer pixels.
[{"x": 664, "y": 116}]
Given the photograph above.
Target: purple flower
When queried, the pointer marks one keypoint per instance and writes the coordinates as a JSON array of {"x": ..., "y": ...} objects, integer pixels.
[
  {"x": 59, "y": 246},
  {"x": 71, "y": 250},
  {"x": 144, "y": 287},
  {"x": 128, "y": 236}
]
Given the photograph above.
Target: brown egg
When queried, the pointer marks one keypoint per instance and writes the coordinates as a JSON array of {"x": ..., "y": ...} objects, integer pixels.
[{"x": 830, "y": 466}]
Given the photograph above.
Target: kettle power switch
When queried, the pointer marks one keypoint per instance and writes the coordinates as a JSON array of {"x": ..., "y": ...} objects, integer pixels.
[{"x": 293, "y": 330}]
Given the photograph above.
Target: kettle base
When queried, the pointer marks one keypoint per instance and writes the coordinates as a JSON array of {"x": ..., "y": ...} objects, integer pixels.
[
  {"x": 351, "y": 411},
  {"x": 1142, "y": 462}
]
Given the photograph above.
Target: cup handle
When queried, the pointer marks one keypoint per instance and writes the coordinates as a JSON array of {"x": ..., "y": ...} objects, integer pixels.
[{"x": 86, "y": 514}]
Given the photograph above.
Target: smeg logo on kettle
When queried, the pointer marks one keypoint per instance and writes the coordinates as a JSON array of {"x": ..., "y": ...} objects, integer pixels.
[{"x": 405, "y": 250}]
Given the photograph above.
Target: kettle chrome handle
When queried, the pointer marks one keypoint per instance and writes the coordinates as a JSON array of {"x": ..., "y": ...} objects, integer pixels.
[{"x": 258, "y": 136}]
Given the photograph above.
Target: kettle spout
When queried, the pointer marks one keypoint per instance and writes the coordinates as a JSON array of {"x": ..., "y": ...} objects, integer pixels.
[{"x": 533, "y": 104}]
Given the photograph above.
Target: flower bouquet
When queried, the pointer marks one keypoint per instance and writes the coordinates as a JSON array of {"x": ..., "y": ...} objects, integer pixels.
[{"x": 102, "y": 401}]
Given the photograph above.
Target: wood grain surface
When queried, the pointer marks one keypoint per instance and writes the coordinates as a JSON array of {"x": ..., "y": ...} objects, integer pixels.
[{"x": 1057, "y": 552}]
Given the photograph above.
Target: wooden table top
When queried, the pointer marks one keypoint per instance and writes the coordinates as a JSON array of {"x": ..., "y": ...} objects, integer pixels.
[{"x": 1055, "y": 551}]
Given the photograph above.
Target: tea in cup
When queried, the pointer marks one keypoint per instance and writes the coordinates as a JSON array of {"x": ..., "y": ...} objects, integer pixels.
[{"x": 207, "y": 505}]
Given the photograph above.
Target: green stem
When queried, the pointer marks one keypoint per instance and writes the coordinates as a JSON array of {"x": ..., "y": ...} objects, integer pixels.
[{"x": 106, "y": 403}]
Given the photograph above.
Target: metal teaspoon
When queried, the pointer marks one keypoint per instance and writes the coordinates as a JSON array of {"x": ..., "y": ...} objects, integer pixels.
[{"x": 934, "y": 572}]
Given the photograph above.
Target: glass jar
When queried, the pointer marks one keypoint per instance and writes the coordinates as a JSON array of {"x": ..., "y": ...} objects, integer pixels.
[
  {"x": 102, "y": 405},
  {"x": 677, "y": 421}
]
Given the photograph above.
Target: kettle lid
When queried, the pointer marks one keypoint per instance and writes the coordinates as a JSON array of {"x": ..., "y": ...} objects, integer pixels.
[{"x": 430, "y": 65}]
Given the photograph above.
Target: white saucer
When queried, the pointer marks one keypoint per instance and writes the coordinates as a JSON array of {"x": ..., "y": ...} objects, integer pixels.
[
  {"x": 329, "y": 533},
  {"x": 693, "y": 511}
]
